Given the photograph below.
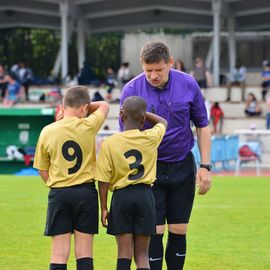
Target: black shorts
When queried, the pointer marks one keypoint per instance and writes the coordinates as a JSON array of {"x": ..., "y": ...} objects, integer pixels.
[
  {"x": 132, "y": 211},
  {"x": 72, "y": 208},
  {"x": 174, "y": 190}
]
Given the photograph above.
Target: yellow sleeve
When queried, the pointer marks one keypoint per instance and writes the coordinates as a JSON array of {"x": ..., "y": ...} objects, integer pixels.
[
  {"x": 157, "y": 132},
  {"x": 42, "y": 158},
  {"x": 104, "y": 164},
  {"x": 96, "y": 120}
]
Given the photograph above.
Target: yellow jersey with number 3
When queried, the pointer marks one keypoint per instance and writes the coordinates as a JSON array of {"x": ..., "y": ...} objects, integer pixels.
[
  {"x": 67, "y": 149},
  {"x": 129, "y": 157}
]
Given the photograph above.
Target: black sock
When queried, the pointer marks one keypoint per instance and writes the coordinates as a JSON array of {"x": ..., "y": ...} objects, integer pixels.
[
  {"x": 123, "y": 264},
  {"x": 143, "y": 269},
  {"x": 156, "y": 252},
  {"x": 58, "y": 266},
  {"x": 85, "y": 264},
  {"x": 175, "y": 251}
]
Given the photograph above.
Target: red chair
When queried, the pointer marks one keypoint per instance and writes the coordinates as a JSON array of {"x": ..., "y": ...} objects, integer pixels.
[{"x": 245, "y": 155}]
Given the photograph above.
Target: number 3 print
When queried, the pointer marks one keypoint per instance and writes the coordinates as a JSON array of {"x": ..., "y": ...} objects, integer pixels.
[{"x": 135, "y": 165}]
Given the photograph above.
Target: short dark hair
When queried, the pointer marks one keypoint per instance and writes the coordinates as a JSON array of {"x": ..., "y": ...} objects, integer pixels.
[
  {"x": 13, "y": 76},
  {"x": 154, "y": 52},
  {"x": 134, "y": 108},
  {"x": 76, "y": 96}
]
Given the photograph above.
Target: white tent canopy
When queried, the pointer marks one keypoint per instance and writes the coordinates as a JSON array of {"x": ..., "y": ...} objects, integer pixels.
[{"x": 97, "y": 16}]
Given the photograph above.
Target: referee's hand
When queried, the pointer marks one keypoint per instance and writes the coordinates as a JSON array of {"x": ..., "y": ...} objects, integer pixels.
[
  {"x": 203, "y": 180},
  {"x": 104, "y": 218}
]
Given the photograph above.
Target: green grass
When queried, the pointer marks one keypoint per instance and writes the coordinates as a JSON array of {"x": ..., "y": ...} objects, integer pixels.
[{"x": 229, "y": 228}]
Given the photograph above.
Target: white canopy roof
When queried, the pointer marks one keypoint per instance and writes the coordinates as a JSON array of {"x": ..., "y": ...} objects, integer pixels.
[{"x": 122, "y": 15}]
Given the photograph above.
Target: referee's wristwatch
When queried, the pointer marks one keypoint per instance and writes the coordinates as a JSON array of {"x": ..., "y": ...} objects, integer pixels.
[{"x": 209, "y": 167}]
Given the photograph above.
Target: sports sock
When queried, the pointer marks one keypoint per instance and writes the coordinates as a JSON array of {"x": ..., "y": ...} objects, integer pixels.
[
  {"x": 85, "y": 264},
  {"x": 143, "y": 269},
  {"x": 58, "y": 266},
  {"x": 123, "y": 264},
  {"x": 175, "y": 251},
  {"x": 156, "y": 252}
]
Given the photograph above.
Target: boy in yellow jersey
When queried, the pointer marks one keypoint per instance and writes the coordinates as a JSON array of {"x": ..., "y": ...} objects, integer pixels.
[
  {"x": 65, "y": 158},
  {"x": 127, "y": 166}
]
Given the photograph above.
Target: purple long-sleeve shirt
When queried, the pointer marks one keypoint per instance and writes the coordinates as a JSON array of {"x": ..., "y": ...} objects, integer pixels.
[{"x": 179, "y": 102}]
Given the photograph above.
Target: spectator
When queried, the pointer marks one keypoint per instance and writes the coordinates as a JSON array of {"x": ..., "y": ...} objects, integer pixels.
[
  {"x": 123, "y": 74},
  {"x": 265, "y": 75},
  {"x": 25, "y": 77},
  {"x": 15, "y": 69},
  {"x": 268, "y": 111},
  {"x": 3, "y": 82},
  {"x": 237, "y": 78},
  {"x": 179, "y": 65},
  {"x": 111, "y": 82},
  {"x": 87, "y": 76},
  {"x": 252, "y": 107},
  {"x": 13, "y": 93},
  {"x": 201, "y": 74},
  {"x": 217, "y": 116}
]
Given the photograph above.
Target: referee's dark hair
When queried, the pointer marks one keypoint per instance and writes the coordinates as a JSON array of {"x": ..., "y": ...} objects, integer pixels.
[
  {"x": 154, "y": 52},
  {"x": 76, "y": 96},
  {"x": 134, "y": 108}
]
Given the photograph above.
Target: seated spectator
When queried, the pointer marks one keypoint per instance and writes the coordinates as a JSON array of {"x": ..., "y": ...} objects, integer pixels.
[
  {"x": 237, "y": 78},
  {"x": 14, "y": 91},
  {"x": 265, "y": 75},
  {"x": 179, "y": 65},
  {"x": 111, "y": 82},
  {"x": 87, "y": 76},
  {"x": 268, "y": 111},
  {"x": 252, "y": 107},
  {"x": 25, "y": 77},
  {"x": 201, "y": 74},
  {"x": 123, "y": 74},
  {"x": 217, "y": 116},
  {"x": 3, "y": 82}
]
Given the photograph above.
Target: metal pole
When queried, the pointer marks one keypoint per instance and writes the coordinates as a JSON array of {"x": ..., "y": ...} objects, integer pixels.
[
  {"x": 64, "y": 37},
  {"x": 216, "y": 7},
  {"x": 231, "y": 42},
  {"x": 80, "y": 43}
]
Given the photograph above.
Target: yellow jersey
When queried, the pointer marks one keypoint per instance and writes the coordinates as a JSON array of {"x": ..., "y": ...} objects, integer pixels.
[
  {"x": 67, "y": 149},
  {"x": 129, "y": 157}
]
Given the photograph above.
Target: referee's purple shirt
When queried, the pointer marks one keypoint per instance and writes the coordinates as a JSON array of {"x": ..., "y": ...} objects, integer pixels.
[{"x": 179, "y": 102}]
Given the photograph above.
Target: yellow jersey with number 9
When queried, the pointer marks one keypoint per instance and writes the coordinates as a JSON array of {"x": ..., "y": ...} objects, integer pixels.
[
  {"x": 129, "y": 157},
  {"x": 67, "y": 149}
]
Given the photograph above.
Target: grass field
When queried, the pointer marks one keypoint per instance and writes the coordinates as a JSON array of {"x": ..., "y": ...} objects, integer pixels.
[{"x": 230, "y": 227}]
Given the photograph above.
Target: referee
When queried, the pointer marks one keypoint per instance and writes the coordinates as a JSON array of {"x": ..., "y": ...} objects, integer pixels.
[{"x": 175, "y": 96}]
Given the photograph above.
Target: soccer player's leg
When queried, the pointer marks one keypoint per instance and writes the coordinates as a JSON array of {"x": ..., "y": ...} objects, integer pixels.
[
  {"x": 83, "y": 250},
  {"x": 85, "y": 216},
  {"x": 125, "y": 251},
  {"x": 156, "y": 250},
  {"x": 144, "y": 225},
  {"x": 120, "y": 224},
  {"x": 141, "y": 244},
  {"x": 59, "y": 227},
  {"x": 60, "y": 251}
]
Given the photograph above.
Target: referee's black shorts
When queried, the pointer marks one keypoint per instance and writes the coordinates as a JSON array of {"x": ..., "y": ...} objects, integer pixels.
[
  {"x": 174, "y": 190},
  {"x": 132, "y": 211},
  {"x": 72, "y": 208}
]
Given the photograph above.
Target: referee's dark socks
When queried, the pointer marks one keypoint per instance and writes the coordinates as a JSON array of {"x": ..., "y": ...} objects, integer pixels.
[
  {"x": 156, "y": 252},
  {"x": 58, "y": 266},
  {"x": 123, "y": 264},
  {"x": 175, "y": 251},
  {"x": 85, "y": 264}
]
